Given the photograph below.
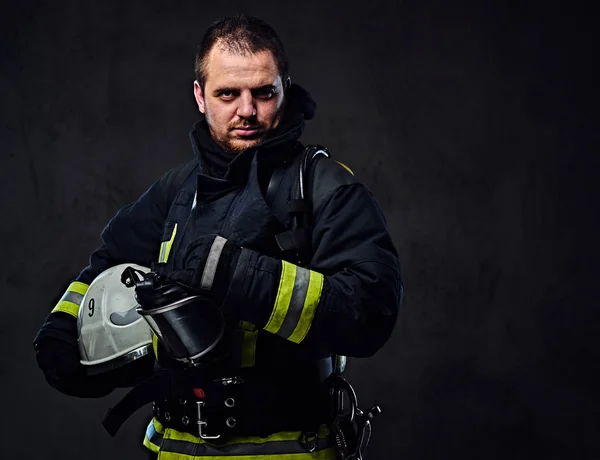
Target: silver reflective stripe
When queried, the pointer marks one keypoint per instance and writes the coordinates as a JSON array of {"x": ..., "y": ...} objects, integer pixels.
[
  {"x": 195, "y": 199},
  {"x": 296, "y": 302},
  {"x": 73, "y": 297},
  {"x": 163, "y": 249},
  {"x": 245, "y": 448},
  {"x": 212, "y": 261}
]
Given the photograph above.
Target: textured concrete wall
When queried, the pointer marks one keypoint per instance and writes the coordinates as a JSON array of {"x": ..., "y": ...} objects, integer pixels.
[{"x": 472, "y": 124}]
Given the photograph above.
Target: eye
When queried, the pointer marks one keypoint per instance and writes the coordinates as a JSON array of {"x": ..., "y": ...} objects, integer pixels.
[
  {"x": 265, "y": 93},
  {"x": 226, "y": 94}
]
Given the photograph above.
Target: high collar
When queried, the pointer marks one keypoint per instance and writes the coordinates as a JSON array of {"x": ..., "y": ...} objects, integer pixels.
[{"x": 217, "y": 163}]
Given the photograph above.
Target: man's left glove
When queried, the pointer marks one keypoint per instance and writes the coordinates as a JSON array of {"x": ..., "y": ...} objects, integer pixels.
[
  {"x": 209, "y": 264},
  {"x": 57, "y": 355}
]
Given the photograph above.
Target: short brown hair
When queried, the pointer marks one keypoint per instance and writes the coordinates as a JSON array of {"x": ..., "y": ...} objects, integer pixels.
[{"x": 240, "y": 34}]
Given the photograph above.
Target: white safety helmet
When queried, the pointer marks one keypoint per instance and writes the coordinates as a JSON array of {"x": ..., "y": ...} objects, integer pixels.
[{"x": 110, "y": 331}]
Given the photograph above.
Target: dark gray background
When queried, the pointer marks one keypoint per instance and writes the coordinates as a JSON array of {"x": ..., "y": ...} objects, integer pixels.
[{"x": 472, "y": 123}]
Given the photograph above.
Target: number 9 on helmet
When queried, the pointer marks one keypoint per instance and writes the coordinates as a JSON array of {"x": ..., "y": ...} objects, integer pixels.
[{"x": 111, "y": 333}]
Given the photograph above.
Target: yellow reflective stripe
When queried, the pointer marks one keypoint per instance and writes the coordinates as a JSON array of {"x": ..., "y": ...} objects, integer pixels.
[
  {"x": 155, "y": 345},
  {"x": 243, "y": 345},
  {"x": 150, "y": 446},
  {"x": 345, "y": 167},
  {"x": 67, "y": 307},
  {"x": 250, "y": 334},
  {"x": 182, "y": 436},
  {"x": 158, "y": 427},
  {"x": 248, "y": 326},
  {"x": 71, "y": 299},
  {"x": 284, "y": 295},
  {"x": 296, "y": 303},
  {"x": 324, "y": 454},
  {"x": 165, "y": 247},
  {"x": 152, "y": 435},
  {"x": 286, "y": 444},
  {"x": 313, "y": 296},
  {"x": 297, "y": 299},
  {"x": 78, "y": 287}
]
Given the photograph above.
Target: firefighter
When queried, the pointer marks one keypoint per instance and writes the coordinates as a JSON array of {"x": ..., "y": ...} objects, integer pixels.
[{"x": 223, "y": 231}]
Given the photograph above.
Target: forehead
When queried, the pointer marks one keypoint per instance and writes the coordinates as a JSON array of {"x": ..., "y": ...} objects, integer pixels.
[{"x": 227, "y": 69}]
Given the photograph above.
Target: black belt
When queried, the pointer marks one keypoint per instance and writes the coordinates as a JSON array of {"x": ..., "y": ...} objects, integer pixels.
[
  {"x": 233, "y": 407},
  {"x": 223, "y": 406}
]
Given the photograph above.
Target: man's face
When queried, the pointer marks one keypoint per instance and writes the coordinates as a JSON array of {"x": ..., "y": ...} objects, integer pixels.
[{"x": 242, "y": 98}]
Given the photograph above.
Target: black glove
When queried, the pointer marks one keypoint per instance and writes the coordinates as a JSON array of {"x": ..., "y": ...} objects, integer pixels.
[
  {"x": 58, "y": 357},
  {"x": 209, "y": 264}
]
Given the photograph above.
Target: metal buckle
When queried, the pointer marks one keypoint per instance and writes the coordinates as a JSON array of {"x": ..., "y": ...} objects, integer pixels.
[
  {"x": 203, "y": 423},
  {"x": 230, "y": 381},
  {"x": 359, "y": 419}
]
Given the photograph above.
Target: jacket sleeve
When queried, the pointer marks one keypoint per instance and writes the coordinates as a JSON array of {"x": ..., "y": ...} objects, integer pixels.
[
  {"x": 133, "y": 235},
  {"x": 347, "y": 301}
]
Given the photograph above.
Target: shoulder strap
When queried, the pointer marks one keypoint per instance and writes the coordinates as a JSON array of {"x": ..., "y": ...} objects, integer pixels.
[{"x": 296, "y": 240}]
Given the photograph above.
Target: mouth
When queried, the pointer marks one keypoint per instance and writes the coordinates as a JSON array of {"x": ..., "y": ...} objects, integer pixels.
[{"x": 247, "y": 131}]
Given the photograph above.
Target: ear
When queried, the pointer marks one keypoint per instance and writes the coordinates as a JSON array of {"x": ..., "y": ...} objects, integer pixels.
[
  {"x": 287, "y": 83},
  {"x": 199, "y": 95}
]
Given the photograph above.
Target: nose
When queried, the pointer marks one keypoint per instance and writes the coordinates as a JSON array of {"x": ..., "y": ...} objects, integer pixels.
[{"x": 246, "y": 108}]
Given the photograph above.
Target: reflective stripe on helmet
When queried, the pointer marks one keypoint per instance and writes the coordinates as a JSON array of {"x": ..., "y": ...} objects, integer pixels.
[
  {"x": 296, "y": 302},
  {"x": 71, "y": 300},
  {"x": 165, "y": 247},
  {"x": 285, "y": 445}
]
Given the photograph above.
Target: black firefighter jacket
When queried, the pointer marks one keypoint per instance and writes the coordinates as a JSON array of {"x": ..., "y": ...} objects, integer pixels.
[{"x": 353, "y": 277}]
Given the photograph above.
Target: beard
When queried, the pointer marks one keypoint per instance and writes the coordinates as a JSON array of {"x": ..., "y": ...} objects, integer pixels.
[
  {"x": 235, "y": 145},
  {"x": 231, "y": 143}
]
